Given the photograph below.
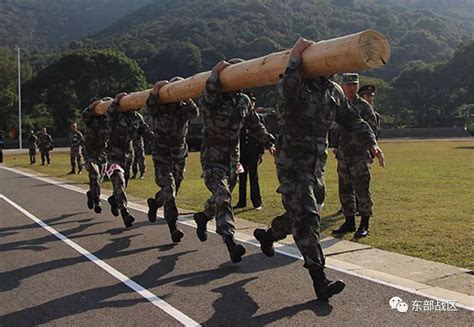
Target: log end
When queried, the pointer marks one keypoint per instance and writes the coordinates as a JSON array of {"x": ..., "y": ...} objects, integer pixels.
[{"x": 375, "y": 49}]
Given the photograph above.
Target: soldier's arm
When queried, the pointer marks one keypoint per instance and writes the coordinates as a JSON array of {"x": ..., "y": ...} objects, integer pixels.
[
  {"x": 145, "y": 130},
  {"x": 256, "y": 128},
  {"x": 114, "y": 107},
  {"x": 153, "y": 103},
  {"x": 87, "y": 115},
  {"x": 189, "y": 109},
  {"x": 82, "y": 140},
  {"x": 348, "y": 118},
  {"x": 210, "y": 95},
  {"x": 368, "y": 114}
]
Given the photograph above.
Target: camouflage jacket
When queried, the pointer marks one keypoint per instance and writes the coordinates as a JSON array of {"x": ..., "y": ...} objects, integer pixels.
[
  {"x": 350, "y": 146},
  {"x": 95, "y": 135},
  {"x": 306, "y": 110},
  {"x": 170, "y": 125},
  {"x": 45, "y": 142},
  {"x": 32, "y": 142},
  {"x": 123, "y": 128},
  {"x": 224, "y": 115},
  {"x": 76, "y": 139}
]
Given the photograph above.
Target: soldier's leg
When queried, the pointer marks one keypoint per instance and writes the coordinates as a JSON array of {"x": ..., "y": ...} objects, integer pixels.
[
  {"x": 94, "y": 185},
  {"x": 127, "y": 166},
  {"x": 320, "y": 190},
  {"x": 79, "y": 161},
  {"x": 118, "y": 182},
  {"x": 43, "y": 157},
  {"x": 254, "y": 185},
  {"x": 242, "y": 203},
  {"x": 300, "y": 203},
  {"x": 346, "y": 197},
  {"x": 281, "y": 226},
  {"x": 48, "y": 158},
  {"x": 72, "y": 159},
  {"x": 141, "y": 165},
  {"x": 364, "y": 198}
]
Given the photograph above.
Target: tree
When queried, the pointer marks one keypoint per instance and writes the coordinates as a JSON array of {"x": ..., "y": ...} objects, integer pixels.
[{"x": 79, "y": 77}]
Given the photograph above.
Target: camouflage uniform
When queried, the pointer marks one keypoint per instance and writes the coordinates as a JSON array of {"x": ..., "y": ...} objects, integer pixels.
[
  {"x": 138, "y": 156},
  {"x": 306, "y": 110},
  {"x": 45, "y": 144},
  {"x": 94, "y": 149},
  {"x": 169, "y": 151},
  {"x": 123, "y": 128},
  {"x": 77, "y": 141},
  {"x": 32, "y": 146},
  {"x": 353, "y": 164},
  {"x": 224, "y": 115}
]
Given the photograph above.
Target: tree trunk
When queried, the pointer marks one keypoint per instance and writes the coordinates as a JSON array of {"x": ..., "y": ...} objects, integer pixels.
[{"x": 352, "y": 53}]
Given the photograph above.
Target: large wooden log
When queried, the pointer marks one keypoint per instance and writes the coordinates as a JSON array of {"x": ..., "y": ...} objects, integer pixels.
[{"x": 352, "y": 53}]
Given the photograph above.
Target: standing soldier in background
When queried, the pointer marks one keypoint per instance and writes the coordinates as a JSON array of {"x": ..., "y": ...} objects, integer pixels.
[
  {"x": 94, "y": 151},
  {"x": 353, "y": 163},
  {"x": 32, "y": 146},
  {"x": 45, "y": 144},
  {"x": 123, "y": 128},
  {"x": 224, "y": 116},
  {"x": 367, "y": 92},
  {"x": 138, "y": 157},
  {"x": 307, "y": 107},
  {"x": 170, "y": 126},
  {"x": 251, "y": 156},
  {"x": 77, "y": 141}
]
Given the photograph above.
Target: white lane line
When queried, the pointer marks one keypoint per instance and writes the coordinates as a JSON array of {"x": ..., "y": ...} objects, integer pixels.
[
  {"x": 155, "y": 300},
  {"x": 286, "y": 250}
]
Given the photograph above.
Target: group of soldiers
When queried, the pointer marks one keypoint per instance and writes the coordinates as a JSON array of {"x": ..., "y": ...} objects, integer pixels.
[
  {"x": 307, "y": 109},
  {"x": 42, "y": 141}
]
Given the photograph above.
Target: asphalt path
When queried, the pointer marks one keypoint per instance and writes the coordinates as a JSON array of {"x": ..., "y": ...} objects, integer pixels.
[{"x": 80, "y": 268}]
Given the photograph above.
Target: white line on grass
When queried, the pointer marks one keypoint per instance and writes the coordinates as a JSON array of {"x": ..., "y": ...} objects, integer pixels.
[{"x": 155, "y": 300}]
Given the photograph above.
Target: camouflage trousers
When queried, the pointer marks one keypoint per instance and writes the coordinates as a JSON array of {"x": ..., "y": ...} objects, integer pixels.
[
  {"x": 32, "y": 154},
  {"x": 168, "y": 177},
  {"x": 93, "y": 167},
  {"x": 302, "y": 217},
  {"x": 320, "y": 191},
  {"x": 45, "y": 156},
  {"x": 138, "y": 162},
  {"x": 75, "y": 156},
  {"x": 221, "y": 184},
  {"x": 354, "y": 182},
  {"x": 119, "y": 180}
]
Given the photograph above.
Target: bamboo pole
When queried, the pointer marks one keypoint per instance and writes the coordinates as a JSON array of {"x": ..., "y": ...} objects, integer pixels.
[{"x": 368, "y": 49}]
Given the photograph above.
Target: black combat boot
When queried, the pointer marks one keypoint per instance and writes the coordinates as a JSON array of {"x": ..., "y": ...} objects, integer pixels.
[
  {"x": 176, "y": 234},
  {"x": 73, "y": 171},
  {"x": 323, "y": 287},
  {"x": 152, "y": 209},
  {"x": 266, "y": 240},
  {"x": 134, "y": 176},
  {"x": 236, "y": 251},
  {"x": 90, "y": 201},
  {"x": 97, "y": 207},
  {"x": 348, "y": 226},
  {"x": 127, "y": 217},
  {"x": 113, "y": 205},
  {"x": 201, "y": 221},
  {"x": 142, "y": 175},
  {"x": 363, "y": 229}
]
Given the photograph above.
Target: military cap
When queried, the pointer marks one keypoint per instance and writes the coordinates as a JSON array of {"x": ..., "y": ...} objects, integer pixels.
[
  {"x": 367, "y": 89},
  {"x": 350, "y": 78}
]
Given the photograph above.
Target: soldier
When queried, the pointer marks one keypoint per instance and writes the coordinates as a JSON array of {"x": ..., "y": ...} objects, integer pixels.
[
  {"x": 138, "y": 157},
  {"x": 32, "y": 146},
  {"x": 77, "y": 141},
  {"x": 353, "y": 164},
  {"x": 123, "y": 127},
  {"x": 170, "y": 125},
  {"x": 224, "y": 115},
  {"x": 45, "y": 144},
  {"x": 307, "y": 107},
  {"x": 251, "y": 155},
  {"x": 367, "y": 92},
  {"x": 94, "y": 151}
]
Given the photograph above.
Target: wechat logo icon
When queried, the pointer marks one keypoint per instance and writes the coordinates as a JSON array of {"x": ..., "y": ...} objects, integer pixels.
[{"x": 398, "y": 304}]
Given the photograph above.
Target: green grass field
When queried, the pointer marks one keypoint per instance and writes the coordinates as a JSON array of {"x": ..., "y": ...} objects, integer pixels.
[{"x": 423, "y": 198}]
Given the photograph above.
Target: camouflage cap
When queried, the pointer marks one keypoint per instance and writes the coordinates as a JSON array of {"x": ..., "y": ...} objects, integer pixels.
[
  {"x": 367, "y": 89},
  {"x": 350, "y": 78}
]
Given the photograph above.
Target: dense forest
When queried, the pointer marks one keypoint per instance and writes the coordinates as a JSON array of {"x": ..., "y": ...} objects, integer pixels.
[{"x": 428, "y": 77}]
